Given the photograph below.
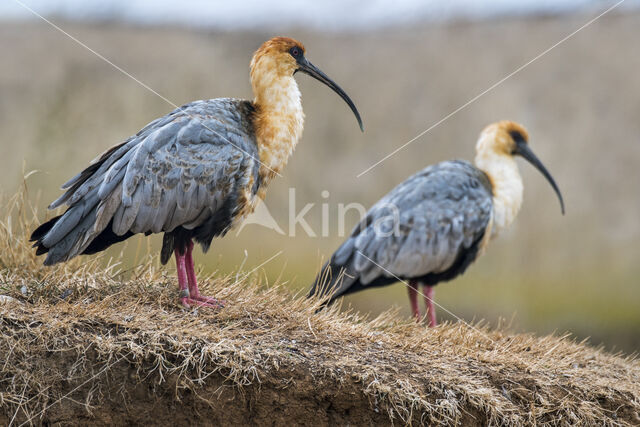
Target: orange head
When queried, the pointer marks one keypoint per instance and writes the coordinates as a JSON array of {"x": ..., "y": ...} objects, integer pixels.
[
  {"x": 507, "y": 138},
  {"x": 278, "y": 56},
  {"x": 278, "y": 59},
  {"x": 503, "y": 137}
]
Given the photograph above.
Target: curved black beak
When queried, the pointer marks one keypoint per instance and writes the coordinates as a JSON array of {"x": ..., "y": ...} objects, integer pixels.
[
  {"x": 522, "y": 148},
  {"x": 308, "y": 68}
]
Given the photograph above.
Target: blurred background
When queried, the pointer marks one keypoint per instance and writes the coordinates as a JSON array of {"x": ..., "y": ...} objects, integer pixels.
[{"x": 406, "y": 64}]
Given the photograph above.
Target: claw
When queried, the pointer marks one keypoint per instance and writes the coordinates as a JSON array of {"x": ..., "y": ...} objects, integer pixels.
[
  {"x": 218, "y": 303},
  {"x": 201, "y": 302}
]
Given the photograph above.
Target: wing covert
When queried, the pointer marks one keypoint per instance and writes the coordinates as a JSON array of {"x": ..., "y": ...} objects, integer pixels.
[{"x": 184, "y": 172}]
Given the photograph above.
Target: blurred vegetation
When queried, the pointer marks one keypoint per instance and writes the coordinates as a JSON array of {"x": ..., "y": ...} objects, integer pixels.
[{"x": 60, "y": 106}]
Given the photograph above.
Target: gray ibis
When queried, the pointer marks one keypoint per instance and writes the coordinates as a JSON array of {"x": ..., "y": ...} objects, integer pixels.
[
  {"x": 192, "y": 174},
  {"x": 432, "y": 226}
]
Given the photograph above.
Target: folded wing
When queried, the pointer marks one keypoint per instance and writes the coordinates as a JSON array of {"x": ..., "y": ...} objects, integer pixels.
[
  {"x": 419, "y": 230},
  {"x": 177, "y": 172}
]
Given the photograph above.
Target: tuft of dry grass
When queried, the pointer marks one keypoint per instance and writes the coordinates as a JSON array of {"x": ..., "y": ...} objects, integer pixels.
[{"x": 88, "y": 342}]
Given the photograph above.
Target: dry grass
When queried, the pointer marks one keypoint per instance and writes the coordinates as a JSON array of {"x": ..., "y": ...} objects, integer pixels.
[{"x": 89, "y": 343}]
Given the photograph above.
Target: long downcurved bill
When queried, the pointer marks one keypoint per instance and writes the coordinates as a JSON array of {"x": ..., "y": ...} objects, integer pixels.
[
  {"x": 308, "y": 68},
  {"x": 524, "y": 150}
]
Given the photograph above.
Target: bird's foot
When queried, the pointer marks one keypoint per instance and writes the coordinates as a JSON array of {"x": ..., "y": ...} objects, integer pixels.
[
  {"x": 189, "y": 301},
  {"x": 217, "y": 303}
]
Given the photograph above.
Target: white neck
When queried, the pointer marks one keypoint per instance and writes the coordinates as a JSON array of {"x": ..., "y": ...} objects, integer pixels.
[{"x": 507, "y": 184}]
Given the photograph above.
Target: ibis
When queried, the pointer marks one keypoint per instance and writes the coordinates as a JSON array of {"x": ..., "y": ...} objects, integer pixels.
[
  {"x": 192, "y": 174},
  {"x": 433, "y": 225}
]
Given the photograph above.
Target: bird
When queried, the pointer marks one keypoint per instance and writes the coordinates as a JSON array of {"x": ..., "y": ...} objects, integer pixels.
[
  {"x": 432, "y": 226},
  {"x": 192, "y": 174}
]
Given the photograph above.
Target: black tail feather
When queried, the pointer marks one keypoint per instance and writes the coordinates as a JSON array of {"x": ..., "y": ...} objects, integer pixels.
[
  {"x": 167, "y": 248},
  {"x": 328, "y": 283},
  {"x": 335, "y": 281},
  {"x": 100, "y": 243},
  {"x": 177, "y": 240},
  {"x": 39, "y": 233},
  {"x": 105, "y": 239}
]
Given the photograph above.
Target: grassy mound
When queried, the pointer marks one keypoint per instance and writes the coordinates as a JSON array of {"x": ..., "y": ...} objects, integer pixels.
[{"x": 84, "y": 343}]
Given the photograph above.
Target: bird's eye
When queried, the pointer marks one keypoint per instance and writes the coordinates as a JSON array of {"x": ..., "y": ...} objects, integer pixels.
[
  {"x": 517, "y": 137},
  {"x": 295, "y": 52}
]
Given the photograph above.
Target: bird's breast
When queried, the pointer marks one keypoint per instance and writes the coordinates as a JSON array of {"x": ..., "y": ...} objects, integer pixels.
[
  {"x": 277, "y": 136},
  {"x": 506, "y": 186},
  {"x": 507, "y": 200}
]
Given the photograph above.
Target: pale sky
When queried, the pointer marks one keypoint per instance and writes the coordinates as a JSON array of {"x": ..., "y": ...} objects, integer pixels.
[{"x": 324, "y": 15}]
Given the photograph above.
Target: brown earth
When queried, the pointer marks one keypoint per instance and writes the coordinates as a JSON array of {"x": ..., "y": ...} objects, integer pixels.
[{"x": 109, "y": 359}]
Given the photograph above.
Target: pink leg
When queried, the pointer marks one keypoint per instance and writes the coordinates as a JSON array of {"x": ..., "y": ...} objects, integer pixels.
[
  {"x": 189, "y": 293},
  {"x": 193, "y": 283},
  {"x": 182, "y": 279},
  {"x": 413, "y": 299},
  {"x": 431, "y": 310}
]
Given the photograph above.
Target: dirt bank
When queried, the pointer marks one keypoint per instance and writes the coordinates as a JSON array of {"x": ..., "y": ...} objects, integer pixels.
[{"x": 121, "y": 352}]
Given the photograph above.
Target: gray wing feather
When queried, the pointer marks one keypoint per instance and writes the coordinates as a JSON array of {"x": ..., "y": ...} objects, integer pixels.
[
  {"x": 185, "y": 173},
  {"x": 419, "y": 227},
  {"x": 441, "y": 211},
  {"x": 178, "y": 170},
  {"x": 115, "y": 154},
  {"x": 107, "y": 208}
]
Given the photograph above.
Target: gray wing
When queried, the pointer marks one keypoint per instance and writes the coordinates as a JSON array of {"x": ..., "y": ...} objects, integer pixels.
[
  {"x": 176, "y": 171},
  {"x": 419, "y": 228}
]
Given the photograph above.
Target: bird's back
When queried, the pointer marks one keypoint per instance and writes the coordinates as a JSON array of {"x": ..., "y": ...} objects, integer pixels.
[
  {"x": 427, "y": 228},
  {"x": 180, "y": 170}
]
